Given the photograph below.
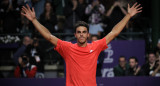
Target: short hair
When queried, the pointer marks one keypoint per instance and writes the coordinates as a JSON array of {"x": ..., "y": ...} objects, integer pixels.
[
  {"x": 25, "y": 37},
  {"x": 133, "y": 57},
  {"x": 122, "y": 57},
  {"x": 95, "y": 36},
  {"x": 152, "y": 52},
  {"x": 81, "y": 23},
  {"x": 25, "y": 58}
]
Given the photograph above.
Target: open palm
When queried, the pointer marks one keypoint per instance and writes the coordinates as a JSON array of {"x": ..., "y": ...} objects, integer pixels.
[
  {"x": 136, "y": 8},
  {"x": 28, "y": 13}
]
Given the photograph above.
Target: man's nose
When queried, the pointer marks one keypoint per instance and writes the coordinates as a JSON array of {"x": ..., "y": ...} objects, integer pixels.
[{"x": 81, "y": 34}]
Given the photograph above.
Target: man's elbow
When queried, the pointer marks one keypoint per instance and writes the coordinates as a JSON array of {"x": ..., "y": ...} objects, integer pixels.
[{"x": 48, "y": 38}]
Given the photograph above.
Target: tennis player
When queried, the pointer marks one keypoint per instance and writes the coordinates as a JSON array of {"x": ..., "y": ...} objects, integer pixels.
[{"x": 81, "y": 57}]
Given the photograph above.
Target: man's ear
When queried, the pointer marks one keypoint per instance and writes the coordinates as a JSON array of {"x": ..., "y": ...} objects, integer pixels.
[
  {"x": 88, "y": 35},
  {"x": 74, "y": 34}
]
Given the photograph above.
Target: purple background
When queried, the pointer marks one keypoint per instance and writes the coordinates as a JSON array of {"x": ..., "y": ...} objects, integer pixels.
[
  {"x": 116, "y": 81},
  {"x": 122, "y": 48},
  {"x": 119, "y": 48}
]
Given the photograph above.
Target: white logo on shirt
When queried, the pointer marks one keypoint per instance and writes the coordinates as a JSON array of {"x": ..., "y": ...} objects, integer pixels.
[{"x": 91, "y": 51}]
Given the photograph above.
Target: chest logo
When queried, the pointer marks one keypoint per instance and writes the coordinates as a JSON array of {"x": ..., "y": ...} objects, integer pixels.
[{"x": 91, "y": 51}]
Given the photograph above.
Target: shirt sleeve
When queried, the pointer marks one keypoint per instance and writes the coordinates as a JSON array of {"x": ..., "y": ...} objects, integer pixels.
[
  {"x": 62, "y": 47},
  {"x": 17, "y": 73},
  {"x": 101, "y": 44}
]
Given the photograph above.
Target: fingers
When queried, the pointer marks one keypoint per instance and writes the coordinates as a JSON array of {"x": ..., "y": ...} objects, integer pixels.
[
  {"x": 24, "y": 9},
  {"x": 23, "y": 14},
  {"x": 128, "y": 6},
  {"x": 134, "y": 5},
  {"x": 28, "y": 7},
  {"x": 137, "y": 6},
  {"x": 33, "y": 9},
  {"x": 139, "y": 11}
]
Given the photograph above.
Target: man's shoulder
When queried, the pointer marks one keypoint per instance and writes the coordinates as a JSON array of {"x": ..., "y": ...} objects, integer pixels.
[
  {"x": 117, "y": 67},
  {"x": 64, "y": 42},
  {"x": 146, "y": 65}
]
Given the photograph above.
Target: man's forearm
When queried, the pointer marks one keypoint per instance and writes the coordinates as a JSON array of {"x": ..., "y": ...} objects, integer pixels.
[
  {"x": 45, "y": 32},
  {"x": 38, "y": 26},
  {"x": 109, "y": 11},
  {"x": 119, "y": 27},
  {"x": 155, "y": 72}
]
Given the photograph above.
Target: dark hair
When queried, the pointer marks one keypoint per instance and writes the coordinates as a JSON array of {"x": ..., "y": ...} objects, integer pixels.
[
  {"x": 81, "y": 23},
  {"x": 51, "y": 11},
  {"x": 25, "y": 58},
  {"x": 151, "y": 52},
  {"x": 133, "y": 57},
  {"x": 122, "y": 57},
  {"x": 95, "y": 36}
]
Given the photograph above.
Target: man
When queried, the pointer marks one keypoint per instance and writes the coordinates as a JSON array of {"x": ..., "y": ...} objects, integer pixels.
[
  {"x": 134, "y": 69},
  {"x": 81, "y": 58},
  {"x": 36, "y": 54},
  {"x": 95, "y": 10},
  {"x": 156, "y": 71},
  {"x": 25, "y": 69},
  {"x": 150, "y": 65},
  {"x": 121, "y": 68},
  {"x": 26, "y": 41}
]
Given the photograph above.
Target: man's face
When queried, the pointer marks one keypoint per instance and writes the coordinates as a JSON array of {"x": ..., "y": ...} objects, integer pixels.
[
  {"x": 151, "y": 58},
  {"x": 94, "y": 38},
  {"x": 26, "y": 41},
  {"x": 81, "y": 1},
  {"x": 48, "y": 7},
  {"x": 132, "y": 63},
  {"x": 122, "y": 62},
  {"x": 81, "y": 34}
]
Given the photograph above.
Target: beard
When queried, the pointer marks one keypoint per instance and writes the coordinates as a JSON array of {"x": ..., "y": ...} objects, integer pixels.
[{"x": 82, "y": 42}]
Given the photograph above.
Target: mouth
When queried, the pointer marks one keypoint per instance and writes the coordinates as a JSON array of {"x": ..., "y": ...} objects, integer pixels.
[{"x": 81, "y": 38}]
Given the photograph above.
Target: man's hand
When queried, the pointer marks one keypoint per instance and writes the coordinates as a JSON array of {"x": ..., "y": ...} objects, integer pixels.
[
  {"x": 28, "y": 13},
  {"x": 134, "y": 9},
  {"x": 116, "y": 3},
  {"x": 119, "y": 27}
]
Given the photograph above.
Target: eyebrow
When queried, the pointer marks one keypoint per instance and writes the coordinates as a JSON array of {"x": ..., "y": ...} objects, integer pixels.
[
  {"x": 78, "y": 31},
  {"x": 82, "y": 31}
]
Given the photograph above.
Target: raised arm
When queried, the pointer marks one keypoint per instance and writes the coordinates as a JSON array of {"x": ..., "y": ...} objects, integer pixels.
[
  {"x": 111, "y": 9},
  {"x": 30, "y": 15},
  {"x": 119, "y": 27}
]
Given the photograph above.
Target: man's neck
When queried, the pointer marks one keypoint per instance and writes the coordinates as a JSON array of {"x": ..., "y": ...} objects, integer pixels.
[
  {"x": 82, "y": 45},
  {"x": 152, "y": 63}
]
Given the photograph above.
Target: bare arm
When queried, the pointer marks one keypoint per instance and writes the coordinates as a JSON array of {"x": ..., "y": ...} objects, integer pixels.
[
  {"x": 119, "y": 27},
  {"x": 30, "y": 14},
  {"x": 123, "y": 10},
  {"x": 113, "y": 6},
  {"x": 111, "y": 9},
  {"x": 74, "y": 4},
  {"x": 155, "y": 71}
]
